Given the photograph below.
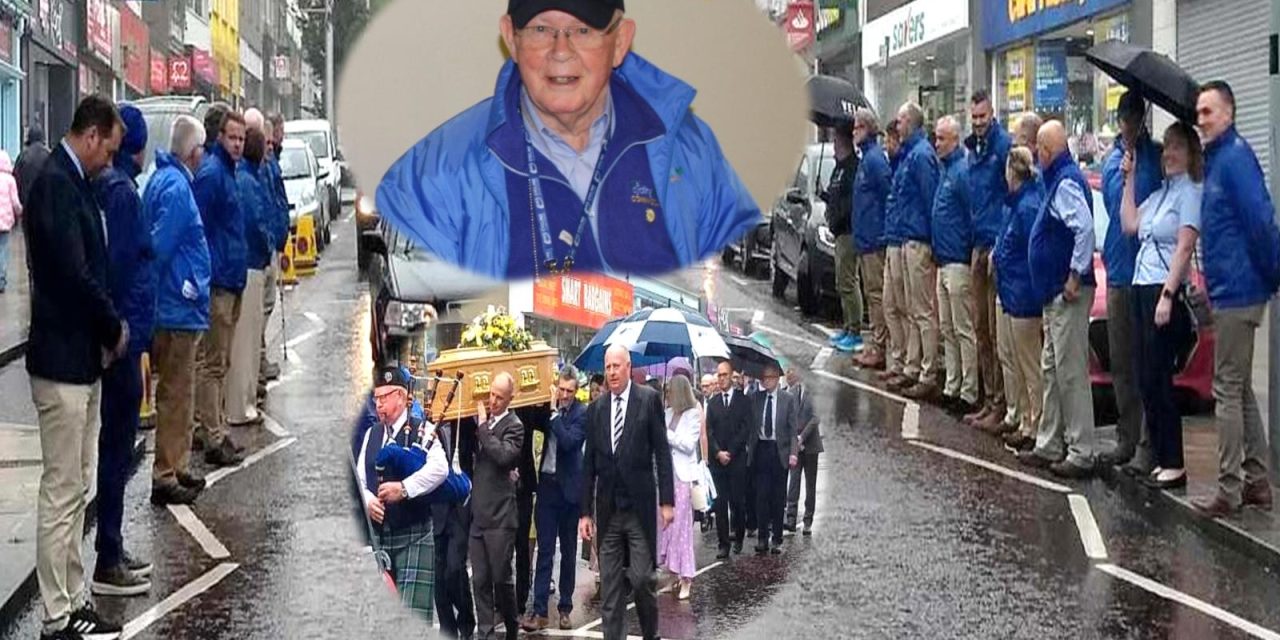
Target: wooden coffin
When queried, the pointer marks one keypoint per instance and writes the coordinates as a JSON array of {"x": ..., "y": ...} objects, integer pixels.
[{"x": 534, "y": 372}]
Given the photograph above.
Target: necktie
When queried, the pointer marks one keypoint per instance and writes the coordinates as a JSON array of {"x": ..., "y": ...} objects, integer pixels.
[
  {"x": 617, "y": 422},
  {"x": 768, "y": 417},
  {"x": 726, "y": 399}
]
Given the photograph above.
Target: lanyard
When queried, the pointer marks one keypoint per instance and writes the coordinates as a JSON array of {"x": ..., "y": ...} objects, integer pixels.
[{"x": 540, "y": 207}]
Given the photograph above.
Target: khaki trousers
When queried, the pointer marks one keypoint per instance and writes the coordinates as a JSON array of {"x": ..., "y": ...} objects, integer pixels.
[
  {"x": 984, "y": 295},
  {"x": 246, "y": 353},
  {"x": 269, "y": 293},
  {"x": 1242, "y": 443},
  {"x": 922, "y": 324},
  {"x": 1066, "y": 426},
  {"x": 847, "y": 284},
  {"x": 873, "y": 288},
  {"x": 174, "y": 356},
  {"x": 1020, "y": 349},
  {"x": 955, "y": 323},
  {"x": 895, "y": 311},
  {"x": 69, "y": 417},
  {"x": 212, "y": 360}
]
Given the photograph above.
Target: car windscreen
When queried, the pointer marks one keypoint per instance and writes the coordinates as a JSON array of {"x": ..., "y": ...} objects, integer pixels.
[
  {"x": 294, "y": 164},
  {"x": 317, "y": 140}
]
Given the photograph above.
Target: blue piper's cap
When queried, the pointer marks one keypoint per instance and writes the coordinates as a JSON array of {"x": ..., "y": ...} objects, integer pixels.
[{"x": 596, "y": 13}]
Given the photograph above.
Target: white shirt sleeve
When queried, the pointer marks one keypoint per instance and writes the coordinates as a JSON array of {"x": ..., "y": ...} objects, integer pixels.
[
  {"x": 431, "y": 475},
  {"x": 1070, "y": 206},
  {"x": 364, "y": 491}
]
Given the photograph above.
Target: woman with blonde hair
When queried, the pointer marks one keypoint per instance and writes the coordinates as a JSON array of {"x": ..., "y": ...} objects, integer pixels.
[{"x": 684, "y": 433}]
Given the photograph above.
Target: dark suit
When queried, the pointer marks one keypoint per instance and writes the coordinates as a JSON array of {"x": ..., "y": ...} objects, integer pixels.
[
  {"x": 770, "y": 461},
  {"x": 558, "y": 510},
  {"x": 810, "y": 441},
  {"x": 452, "y": 521},
  {"x": 729, "y": 430},
  {"x": 534, "y": 417},
  {"x": 618, "y": 492},
  {"x": 493, "y": 522}
]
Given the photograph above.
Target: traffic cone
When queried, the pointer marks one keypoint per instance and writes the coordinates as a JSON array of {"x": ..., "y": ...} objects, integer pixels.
[
  {"x": 147, "y": 412},
  {"x": 288, "y": 275},
  {"x": 305, "y": 249}
]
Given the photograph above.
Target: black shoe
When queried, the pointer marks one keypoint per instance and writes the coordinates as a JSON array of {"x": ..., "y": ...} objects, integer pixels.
[
  {"x": 808, "y": 530},
  {"x": 118, "y": 580},
  {"x": 1033, "y": 460},
  {"x": 271, "y": 371},
  {"x": 723, "y": 554},
  {"x": 140, "y": 568},
  {"x": 762, "y": 550},
  {"x": 65, "y": 633},
  {"x": 1116, "y": 457},
  {"x": 1066, "y": 469},
  {"x": 776, "y": 549},
  {"x": 85, "y": 621},
  {"x": 172, "y": 494},
  {"x": 737, "y": 548},
  {"x": 789, "y": 526},
  {"x": 224, "y": 455},
  {"x": 191, "y": 480}
]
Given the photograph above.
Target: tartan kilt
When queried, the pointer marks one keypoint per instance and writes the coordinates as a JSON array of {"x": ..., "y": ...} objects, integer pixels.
[{"x": 412, "y": 551}]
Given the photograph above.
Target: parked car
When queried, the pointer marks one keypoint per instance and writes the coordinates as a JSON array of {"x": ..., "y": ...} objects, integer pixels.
[
  {"x": 160, "y": 112},
  {"x": 803, "y": 249},
  {"x": 1193, "y": 382},
  {"x": 319, "y": 135},
  {"x": 300, "y": 170},
  {"x": 366, "y": 220},
  {"x": 752, "y": 251}
]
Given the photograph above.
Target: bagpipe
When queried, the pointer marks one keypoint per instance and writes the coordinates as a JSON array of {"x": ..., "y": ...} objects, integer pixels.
[{"x": 394, "y": 462}]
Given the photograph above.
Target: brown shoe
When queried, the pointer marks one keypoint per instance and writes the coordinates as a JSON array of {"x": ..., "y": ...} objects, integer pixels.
[
  {"x": 869, "y": 360},
  {"x": 1216, "y": 507},
  {"x": 565, "y": 625},
  {"x": 885, "y": 376},
  {"x": 1258, "y": 494},
  {"x": 982, "y": 413},
  {"x": 534, "y": 623},
  {"x": 921, "y": 391},
  {"x": 991, "y": 423},
  {"x": 898, "y": 383}
]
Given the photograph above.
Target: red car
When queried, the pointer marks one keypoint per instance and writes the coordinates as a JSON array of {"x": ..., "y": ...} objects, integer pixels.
[{"x": 1193, "y": 382}]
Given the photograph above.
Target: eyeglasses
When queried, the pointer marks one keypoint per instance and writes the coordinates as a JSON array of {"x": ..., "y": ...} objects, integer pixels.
[{"x": 582, "y": 38}]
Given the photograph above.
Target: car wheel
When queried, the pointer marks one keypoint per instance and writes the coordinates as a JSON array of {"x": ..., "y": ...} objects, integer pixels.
[
  {"x": 726, "y": 257},
  {"x": 335, "y": 204},
  {"x": 362, "y": 259},
  {"x": 807, "y": 294}
]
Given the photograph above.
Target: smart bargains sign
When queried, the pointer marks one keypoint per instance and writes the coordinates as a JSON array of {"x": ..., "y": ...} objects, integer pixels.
[
  {"x": 586, "y": 300},
  {"x": 1004, "y": 21}
]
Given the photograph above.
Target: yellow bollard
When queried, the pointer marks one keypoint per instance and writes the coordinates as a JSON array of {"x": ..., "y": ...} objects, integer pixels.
[
  {"x": 147, "y": 412},
  {"x": 304, "y": 259},
  {"x": 288, "y": 275}
]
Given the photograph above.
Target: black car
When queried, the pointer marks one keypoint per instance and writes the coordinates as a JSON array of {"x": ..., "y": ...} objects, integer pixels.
[{"x": 803, "y": 248}]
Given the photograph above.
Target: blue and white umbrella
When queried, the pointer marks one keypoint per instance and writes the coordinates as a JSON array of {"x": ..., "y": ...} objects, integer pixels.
[{"x": 655, "y": 335}]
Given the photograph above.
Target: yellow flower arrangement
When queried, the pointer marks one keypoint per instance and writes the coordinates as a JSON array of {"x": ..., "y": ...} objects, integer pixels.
[{"x": 495, "y": 330}]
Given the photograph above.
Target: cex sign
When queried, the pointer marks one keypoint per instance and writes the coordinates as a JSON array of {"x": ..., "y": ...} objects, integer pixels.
[{"x": 910, "y": 26}]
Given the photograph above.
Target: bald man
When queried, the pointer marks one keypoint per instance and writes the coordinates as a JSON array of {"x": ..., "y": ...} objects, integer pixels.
[
  {"x": 253, "y": 119},
  {"x": 1061, "y": 261},
  {"x": 499, "y": 443},
  {"x": 953, "y": 252}
]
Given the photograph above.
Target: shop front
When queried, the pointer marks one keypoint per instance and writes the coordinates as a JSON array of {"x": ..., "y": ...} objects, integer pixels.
[
  {"x": 50, "y": 61},
  {"x": 135, "y": 53},
  {"x": 568, "y": 310},
  {"x": 11, "y": 77},
  {"x": 919, "y": 52},
  {"x": 97, "y": 73},
  {"x": 1037, "y": 51},
  {"x": 204, "y": 73}
]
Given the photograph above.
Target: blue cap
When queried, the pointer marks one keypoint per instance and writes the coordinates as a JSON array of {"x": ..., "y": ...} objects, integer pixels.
[{"x": 135, "y": 132}]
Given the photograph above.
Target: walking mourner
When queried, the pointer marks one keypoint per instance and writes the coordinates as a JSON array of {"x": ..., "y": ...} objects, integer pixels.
[{"x": 500, "y": 440}]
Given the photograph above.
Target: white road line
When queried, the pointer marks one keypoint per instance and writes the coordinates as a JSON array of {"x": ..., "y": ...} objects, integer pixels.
[
  {"x": 315, "y": 319},
  {"x": 758, "y": 316},
  {"x": 739, "y": 281},
  {"x": 820, "y": 360},
  {"x": 177, "y": 599},
  {"x": 1090, "y": 536},
  {"x": 258, "y": 455},
  {"x": 911, "y": 421},
  {"x": 271, "y": 425},
  {"x": 1017, "y": 475},
  {"x": 781, "y": 334},
  {"x": 599, "y": 621},
  {"x": 286, "y": 377},
  {"x": 187, "y": 518},
  {"x": 557, "y": 633},
  {"x": 301, "y": 338},
  {"x": 823, "y": 329},
  {"x": 1195, "y": 603},
  {"x": 862, "y": 385}
]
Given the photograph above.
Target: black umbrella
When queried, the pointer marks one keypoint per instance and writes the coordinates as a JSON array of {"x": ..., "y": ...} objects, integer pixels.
[
  {"x": 833, "y": 100},
  {"x": 1151, "y": 74},
  {"x": 749, "y": 356}
]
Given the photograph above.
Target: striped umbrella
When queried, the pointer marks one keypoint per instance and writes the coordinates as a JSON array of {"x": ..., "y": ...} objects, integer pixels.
[{"x": 657, "y": 335}]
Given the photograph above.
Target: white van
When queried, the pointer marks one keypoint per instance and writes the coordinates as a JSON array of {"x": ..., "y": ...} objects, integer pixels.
[{"x": 318, "y": 134}]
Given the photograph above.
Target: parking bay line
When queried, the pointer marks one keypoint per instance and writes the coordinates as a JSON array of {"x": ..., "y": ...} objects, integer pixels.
[
  {"x": 256, "y": 456},
  {"x": 789, "y": 336},
  {"x": 1090, "y": 537},
  {"x": 599, "y": 621},
  {"x": 991, "y": 466},
  {"x": 187, "y": 518},
  {"x": 1170, "y": 593},
  {"x": 177, "y": 599}
]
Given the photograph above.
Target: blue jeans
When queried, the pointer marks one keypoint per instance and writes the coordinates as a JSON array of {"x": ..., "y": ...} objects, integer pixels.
[
  {"x": 4, "y": 259},
  {"x": 121, "y": 400},
  {"x": 556, "y": 517}
]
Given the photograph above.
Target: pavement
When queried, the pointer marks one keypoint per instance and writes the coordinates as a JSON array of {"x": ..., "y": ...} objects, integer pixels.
[{"x": 15, "y": 302}]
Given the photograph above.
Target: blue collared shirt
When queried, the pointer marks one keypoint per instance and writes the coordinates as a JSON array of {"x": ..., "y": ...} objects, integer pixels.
[
  {"x": 1164, "y": 213},
  {"x": 1070, "y": 206},
  {"x": 577, "y": 168}
]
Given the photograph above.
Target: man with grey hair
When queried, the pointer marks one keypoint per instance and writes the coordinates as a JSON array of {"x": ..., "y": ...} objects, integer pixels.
[
  {"x": 953, "y": 252},
  {"x": 499, "y": 442},
  {"x": 1026, "y": 132},
  {"x": 871, "y": 185},
  {"x": 915, "y": 183},
  {"x": 182, "y": 306}
]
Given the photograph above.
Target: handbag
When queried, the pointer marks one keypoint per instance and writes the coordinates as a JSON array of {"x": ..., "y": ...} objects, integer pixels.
[{"x": 1189, "y": 295}]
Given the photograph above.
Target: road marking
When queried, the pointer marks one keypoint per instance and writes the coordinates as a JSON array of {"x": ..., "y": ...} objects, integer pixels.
[
  {"x": 1090, "y": 536},
  {"x": 739, "y": 281},
  {"x": 286, "y": 377},
  {"x": 301, "y": 338},
  {"x": 1018, "y": 475},
  {"x": 187, "y": 518},
  {"x": 820, "y": 360},
  {"x": 864, "y": 386},
  {"x": 557, "y": 633},
  {"x": 911, "y": 421},
  {"x": 1169, "y": 593},
  {"x": 276, "y": 429},
  {"x": 599, "y": 621},
  {"x": 315, "y": 319},
  {"x": 177, "y": 599},
  {"x": 824, "y": 330},
  {"x": 758, "y": 316},
  {"x": 258, "y": 455},
  {"x": 788, "y": 336}
]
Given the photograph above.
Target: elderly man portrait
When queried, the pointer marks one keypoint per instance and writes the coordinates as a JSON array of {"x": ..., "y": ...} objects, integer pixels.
[{"x": 585, "y": 153}]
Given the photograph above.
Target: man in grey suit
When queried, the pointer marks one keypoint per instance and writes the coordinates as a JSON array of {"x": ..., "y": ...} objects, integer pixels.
[
  {"x": 626, "y": 444},
  {"x": 499, "y": 441},
  {"x": 775, "y": 450},
  {"x": 810, "y": 444}
]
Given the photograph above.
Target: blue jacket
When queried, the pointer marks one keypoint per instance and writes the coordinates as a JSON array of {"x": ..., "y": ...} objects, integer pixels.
[
  {"x": 273, "y": 177},
  {"x": 892, "y": 232},
  {"x": 951, "y": 225},
  {"x": 258, "y": 208},
  {"x": 914, "y": 184},
  {"x": 216, "y": 194},
  {"x": 987, "y": 186},
  {"x": 450, "y": 191},
  {"x": 181, "y": 251},
  {"x": 1013, "y": 272},
  {"x": 1234, "y": 220},
  {"x": 1120, "y": 251},
  {"x": 1052, "y": 242},
  {"x": 130, "y": 279},
  {"x": 570, "y": 430},
  {"x": 871, "y": 188}
]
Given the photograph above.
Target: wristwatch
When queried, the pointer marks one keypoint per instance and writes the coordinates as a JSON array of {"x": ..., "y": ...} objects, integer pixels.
[{"x": 1166, "y": 294}]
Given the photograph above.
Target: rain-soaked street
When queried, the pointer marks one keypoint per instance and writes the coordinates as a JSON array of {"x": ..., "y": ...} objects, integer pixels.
[{"x": 925, "y": 528}]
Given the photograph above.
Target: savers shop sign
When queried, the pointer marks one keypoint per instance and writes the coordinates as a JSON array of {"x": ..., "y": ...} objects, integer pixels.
[{"x": 1006, "y": 21}]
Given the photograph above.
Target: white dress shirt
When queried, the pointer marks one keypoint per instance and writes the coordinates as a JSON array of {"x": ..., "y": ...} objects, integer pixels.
[
  {"x": 614, "y": 409},
  {"x": 425, "y": 480},
  {"x": 1070, "y": 206}
]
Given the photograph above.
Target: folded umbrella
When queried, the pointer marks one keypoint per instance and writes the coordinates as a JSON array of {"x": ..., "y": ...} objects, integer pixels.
[
  {"x": 833, "y": 100},
  {"x": 1151, "y": 74}
]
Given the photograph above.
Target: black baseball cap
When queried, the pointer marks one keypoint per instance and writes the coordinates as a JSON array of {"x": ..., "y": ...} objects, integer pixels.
[
  {"x": 392, "y": 377},
  {"x": 596, "y": 13}
]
